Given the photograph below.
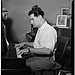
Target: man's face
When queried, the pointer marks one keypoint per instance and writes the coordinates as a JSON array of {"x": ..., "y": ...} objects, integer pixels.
[{"x": 35, "y": 20}]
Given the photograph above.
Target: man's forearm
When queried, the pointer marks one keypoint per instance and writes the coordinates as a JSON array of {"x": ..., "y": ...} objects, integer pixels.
[
  {"x": 29, "y": 43},
  {"x": 41, "y": 50}
]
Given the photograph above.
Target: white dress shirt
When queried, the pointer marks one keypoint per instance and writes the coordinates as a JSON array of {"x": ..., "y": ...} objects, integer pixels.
[{"x": 46, "y": 37}]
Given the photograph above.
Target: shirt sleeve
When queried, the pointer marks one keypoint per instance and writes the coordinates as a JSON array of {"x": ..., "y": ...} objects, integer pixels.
[{"x": 48, "y": 40}]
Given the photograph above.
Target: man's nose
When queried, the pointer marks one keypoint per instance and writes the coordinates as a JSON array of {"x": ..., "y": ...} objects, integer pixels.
[{"x": 31, "y": 22}]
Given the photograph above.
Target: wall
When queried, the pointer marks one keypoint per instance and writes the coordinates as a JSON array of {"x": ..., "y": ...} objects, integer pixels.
[
  {"x": 74, "y": 18},
  {"x": 18, "y": 13},
  {"x": 74, "y": 36}
]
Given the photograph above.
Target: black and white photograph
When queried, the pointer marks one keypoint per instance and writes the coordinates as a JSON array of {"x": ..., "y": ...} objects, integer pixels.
[
  {"x": 61, "y": 21},
  {"x": 36, "y": 37},
  {"x": 65, "y": 11}
]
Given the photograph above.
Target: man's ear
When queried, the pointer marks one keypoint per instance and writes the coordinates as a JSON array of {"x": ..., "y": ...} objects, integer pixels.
[{"x": 40, "y": 17}]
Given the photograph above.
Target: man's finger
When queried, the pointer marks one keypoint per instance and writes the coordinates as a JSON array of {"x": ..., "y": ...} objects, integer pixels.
[
  {"x": 17, "y": 45},
  {"x": 20, "y": 52}
]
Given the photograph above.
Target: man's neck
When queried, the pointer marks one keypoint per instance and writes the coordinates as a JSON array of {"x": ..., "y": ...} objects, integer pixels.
[{"x": 42, "y": 22}]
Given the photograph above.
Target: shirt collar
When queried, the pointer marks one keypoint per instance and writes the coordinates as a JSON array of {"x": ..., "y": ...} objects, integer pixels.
[{"x": 43, "y": 26}]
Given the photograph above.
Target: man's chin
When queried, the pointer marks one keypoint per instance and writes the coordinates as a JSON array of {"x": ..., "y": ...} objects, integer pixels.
[{"x": 34, "y": 26}]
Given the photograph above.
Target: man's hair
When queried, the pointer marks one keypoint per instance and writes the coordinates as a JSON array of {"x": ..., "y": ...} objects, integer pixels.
[{"x": 36, "y": 11}]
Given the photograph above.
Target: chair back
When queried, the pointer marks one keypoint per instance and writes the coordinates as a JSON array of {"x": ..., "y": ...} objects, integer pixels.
[{"x": 61, "y": 46}]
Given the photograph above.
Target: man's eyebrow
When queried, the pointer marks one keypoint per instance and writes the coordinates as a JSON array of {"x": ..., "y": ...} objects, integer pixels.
[{"x": 31, "y": 19}]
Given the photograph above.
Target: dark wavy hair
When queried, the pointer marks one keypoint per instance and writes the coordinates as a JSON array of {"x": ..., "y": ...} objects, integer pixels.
[{"x": 36, "y": 11}]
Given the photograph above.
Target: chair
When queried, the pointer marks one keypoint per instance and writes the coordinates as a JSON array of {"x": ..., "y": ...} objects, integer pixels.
[
  {"x": 64, "y": 72},
  {"x": 59, "y": 53},
  {"x": 61, "y": 47},
  {"x": 67, "y": 57}
]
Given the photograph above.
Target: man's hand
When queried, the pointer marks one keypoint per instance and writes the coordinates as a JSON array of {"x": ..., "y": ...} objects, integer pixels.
[
  {"x": 19, "y": 45},
  {"x": 22, "y": 51},
  {"x": 17, "y": 49}
]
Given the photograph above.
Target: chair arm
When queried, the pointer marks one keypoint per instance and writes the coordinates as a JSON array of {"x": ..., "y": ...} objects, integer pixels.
[{"x": 68, "y": 48}]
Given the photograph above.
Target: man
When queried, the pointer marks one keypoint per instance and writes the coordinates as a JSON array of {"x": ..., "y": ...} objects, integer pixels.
[{"x": 44, "y": 42}]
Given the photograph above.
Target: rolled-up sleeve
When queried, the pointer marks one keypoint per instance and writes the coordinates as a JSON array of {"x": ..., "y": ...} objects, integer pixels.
[
  {"x": 46, "y": 37},
  {"x": 47, "y": 40}
]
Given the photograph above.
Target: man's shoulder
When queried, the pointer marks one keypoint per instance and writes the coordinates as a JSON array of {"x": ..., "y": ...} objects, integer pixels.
[{"x": 50, "y": 27}]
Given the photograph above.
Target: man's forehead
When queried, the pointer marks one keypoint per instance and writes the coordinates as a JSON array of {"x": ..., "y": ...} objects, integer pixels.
[{"x": 32, "y": 16}]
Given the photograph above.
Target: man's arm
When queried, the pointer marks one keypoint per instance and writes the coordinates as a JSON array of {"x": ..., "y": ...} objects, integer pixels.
[
  {"x": 43, "y": 50},
  {"x": 35, "y": 50},
  {"x": 22, "y": 44},
  {"x": 29, "y": 43},
  {"x": 46, "y": 43}
]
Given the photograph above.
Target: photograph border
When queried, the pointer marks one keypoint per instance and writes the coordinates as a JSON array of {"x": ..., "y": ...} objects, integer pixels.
[
  {"x": 57, "y": 24},
  {"x": 67, "y": 8}
]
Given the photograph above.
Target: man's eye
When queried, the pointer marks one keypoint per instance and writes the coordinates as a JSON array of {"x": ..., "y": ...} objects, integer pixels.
[{"x": 32, "y": 20}]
